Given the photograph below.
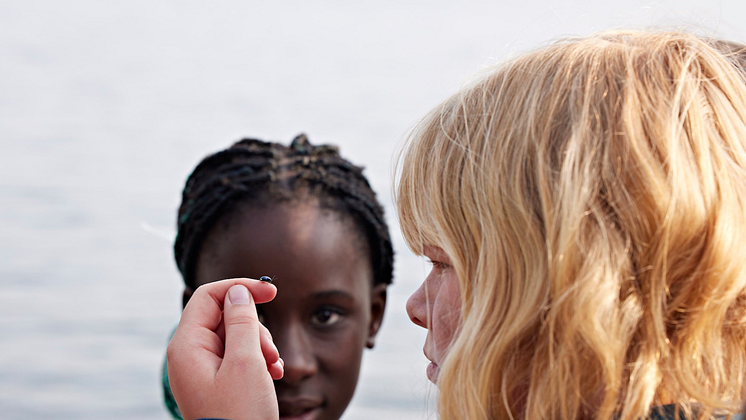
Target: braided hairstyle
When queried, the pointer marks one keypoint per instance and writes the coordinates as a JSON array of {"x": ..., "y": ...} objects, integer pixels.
[{"x": 260, "y": 173}]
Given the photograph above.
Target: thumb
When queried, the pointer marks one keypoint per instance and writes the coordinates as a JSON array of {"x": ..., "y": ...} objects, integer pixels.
[{"x": 242, "y": 342}]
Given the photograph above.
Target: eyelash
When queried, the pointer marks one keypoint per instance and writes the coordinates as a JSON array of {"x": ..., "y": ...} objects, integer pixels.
[
  {"x": 438, "y": 264},
  {"x": 334, "y": 313}
]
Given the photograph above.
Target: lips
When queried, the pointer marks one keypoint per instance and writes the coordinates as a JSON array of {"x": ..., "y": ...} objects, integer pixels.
[
  {"x": 432, "y": 370},
  {"x": 300, "y": 408}
]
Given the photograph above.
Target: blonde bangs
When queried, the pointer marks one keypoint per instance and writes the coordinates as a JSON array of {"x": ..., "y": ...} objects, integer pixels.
[
  {"x": 430, "y": 194},
  {"x": 414, "y": 196},
  {"x": 591, "y": 196}
]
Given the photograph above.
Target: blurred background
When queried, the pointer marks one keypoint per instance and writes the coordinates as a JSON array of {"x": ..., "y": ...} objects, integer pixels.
[{"x": 106, "y": 107}]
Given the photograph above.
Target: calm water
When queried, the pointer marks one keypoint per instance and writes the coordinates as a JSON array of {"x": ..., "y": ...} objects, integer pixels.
[{"x": 105, "y": 107}]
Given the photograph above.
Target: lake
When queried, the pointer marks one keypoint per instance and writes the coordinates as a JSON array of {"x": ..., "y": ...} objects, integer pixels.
[{"x": 106, "y": 107}]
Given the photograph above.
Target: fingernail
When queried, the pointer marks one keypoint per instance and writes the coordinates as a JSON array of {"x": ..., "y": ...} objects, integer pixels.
[
  {"x": 281, "y": 362},
  {"x": 239, "y": 295}
]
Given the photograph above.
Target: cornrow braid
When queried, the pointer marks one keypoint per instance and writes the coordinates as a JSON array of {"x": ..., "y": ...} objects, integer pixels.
[{"x": 256, "y": 172}]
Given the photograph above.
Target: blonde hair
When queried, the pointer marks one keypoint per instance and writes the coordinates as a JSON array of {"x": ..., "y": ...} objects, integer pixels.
[
  {"x": 591, "y": 197},
  {"x": 734, "y": 51}
]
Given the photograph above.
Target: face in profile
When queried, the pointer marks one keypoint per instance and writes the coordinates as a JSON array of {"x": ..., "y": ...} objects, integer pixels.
[
  {"x": 327, "y": 309},
  {"x": 436, "y": 306}
]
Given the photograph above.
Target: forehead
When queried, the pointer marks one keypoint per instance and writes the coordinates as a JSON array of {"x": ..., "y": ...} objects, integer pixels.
[
  {"x": 298, "y": 243},
  {"x": 434, "y": 251}
]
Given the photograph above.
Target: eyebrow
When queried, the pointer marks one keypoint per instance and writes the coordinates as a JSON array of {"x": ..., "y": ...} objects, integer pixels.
[
  {"x": 329, "y": 294},
  {"x": 437, "y": 252}
]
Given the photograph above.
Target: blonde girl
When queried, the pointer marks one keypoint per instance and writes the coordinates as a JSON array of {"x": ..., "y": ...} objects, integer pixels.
[{"x": 586, "y": 204}]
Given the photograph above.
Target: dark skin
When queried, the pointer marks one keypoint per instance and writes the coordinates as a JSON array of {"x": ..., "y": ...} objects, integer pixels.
[{"x": 327, "y": 309}]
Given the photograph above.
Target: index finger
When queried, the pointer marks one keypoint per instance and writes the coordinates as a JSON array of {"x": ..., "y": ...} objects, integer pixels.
[{"x": 205, "y": 307}]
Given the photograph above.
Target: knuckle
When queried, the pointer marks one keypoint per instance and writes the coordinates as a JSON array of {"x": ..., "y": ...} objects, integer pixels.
[
  {"x": 200, "y": 290},
  {"x": 242, "y": 365},
  {"x": 174, "y": 355},
  {"x": 266, "y": 332},
  {"x": 242, "y": 319},
  {"x": 171, "y": 353}
]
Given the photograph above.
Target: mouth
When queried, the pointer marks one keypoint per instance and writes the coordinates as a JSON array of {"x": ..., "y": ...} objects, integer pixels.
[
  {"x": 300, "y": 409},
  {"x": 432, "y": 370}
]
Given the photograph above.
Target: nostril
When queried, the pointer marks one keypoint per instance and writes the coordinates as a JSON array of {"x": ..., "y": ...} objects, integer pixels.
[
  {"x": 296, "y": 371},
  {"x": 416, "y": 310},
  {"x": 418, "y": 322}
]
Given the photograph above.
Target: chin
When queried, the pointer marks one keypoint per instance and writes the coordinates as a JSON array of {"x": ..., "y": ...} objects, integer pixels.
[{"x": 312, "y": 414}]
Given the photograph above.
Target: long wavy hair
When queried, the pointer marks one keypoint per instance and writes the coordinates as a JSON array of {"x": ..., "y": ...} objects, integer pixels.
[{"x": 592, "y": 198}]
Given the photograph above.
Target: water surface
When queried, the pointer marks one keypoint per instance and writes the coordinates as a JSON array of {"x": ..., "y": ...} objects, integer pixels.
[{"x": 105, "y": 108}]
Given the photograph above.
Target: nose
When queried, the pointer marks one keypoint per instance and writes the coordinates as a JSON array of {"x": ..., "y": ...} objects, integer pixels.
[
  {"x": 417, "y": 307},
  {"x": 298, "y": 354}
]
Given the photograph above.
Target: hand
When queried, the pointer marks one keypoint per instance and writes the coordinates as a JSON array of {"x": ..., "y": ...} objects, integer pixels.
[{"x": 221, "y": 359}]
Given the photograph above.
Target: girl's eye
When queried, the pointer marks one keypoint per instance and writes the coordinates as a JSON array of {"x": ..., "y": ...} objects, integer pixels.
[
  {"x": 326, "y": 317},
  {"x": 439, "y": 265}
]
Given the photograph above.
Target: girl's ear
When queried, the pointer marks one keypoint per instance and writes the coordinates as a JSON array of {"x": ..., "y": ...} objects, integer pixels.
[
  {"x": 377, "y": 307},
  {"x": 188, "y": 292}
]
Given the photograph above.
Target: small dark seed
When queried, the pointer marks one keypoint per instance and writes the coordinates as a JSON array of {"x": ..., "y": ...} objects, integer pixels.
[{"x": 265, "y": 278}]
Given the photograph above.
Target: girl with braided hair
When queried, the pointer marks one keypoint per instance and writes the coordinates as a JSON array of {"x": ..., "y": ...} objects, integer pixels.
[{"x": 308, "y": 219}]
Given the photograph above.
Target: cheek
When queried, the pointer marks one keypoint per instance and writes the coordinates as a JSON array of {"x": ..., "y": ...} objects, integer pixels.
[
  {"x": 341, "y": 354},
  {"x": 446, "y": 317},
  {"x": 339, "y": 368}
]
